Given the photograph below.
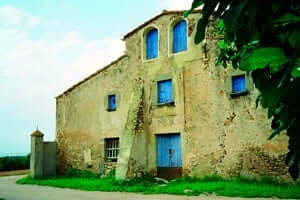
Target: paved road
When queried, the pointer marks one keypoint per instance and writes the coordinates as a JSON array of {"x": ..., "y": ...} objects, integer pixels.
[{"x": 9, "y": 190}]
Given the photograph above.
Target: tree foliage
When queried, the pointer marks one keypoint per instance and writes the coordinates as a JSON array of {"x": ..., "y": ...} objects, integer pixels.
[{"x": 263, "y": 37}]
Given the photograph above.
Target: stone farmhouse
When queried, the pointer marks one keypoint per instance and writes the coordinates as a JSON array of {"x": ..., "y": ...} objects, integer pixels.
[{"x": 165, "y": 108}]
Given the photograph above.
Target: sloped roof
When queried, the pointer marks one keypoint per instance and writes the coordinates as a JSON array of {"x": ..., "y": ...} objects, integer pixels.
[
  {"x": 164, "y": 12},
  {"x": 92, "y": 75}
]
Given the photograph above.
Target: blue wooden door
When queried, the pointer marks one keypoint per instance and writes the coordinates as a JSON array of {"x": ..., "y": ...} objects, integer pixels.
[{"x": 169, "y": 151}]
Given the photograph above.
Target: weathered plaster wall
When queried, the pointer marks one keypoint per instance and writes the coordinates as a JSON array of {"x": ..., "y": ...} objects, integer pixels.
[
  {"x": 163, "y": 119},
  {"x": 83, "y": 120},
  {"x": 220, "y": 134},
  {"x": 230, "y": 133}
]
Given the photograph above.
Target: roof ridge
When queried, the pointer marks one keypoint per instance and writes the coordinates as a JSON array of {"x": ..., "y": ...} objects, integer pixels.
[{"x": 164, "y": 12}]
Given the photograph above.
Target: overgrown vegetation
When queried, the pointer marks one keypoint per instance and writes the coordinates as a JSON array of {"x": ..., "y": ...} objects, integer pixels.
[
  {"x": 263, "y": 37},
  {"x": 14, "y": 163},
  {"x": 185, "y": 186}
]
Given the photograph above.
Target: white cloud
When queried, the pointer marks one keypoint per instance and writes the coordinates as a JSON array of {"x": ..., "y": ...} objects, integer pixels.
[
  {"x": 176, "y": 4},
  {"x": 11, "y": 15},
  {"x": 35, "y": 70}
]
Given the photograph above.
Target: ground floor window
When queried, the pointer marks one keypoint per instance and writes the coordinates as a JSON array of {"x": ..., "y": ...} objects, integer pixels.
[{"x": 112, "y": 149}]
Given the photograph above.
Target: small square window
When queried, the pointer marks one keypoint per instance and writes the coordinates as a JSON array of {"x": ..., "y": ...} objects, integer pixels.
[
  {"x": 238, "y": 84},
  {"x": 165, "y": 91},
  {"x": 112, "y": 102},
  {"x": 112, "y": 149}
]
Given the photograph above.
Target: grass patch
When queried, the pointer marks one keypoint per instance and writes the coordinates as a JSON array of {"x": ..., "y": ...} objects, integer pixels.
[{"x": 236, "y": 187}]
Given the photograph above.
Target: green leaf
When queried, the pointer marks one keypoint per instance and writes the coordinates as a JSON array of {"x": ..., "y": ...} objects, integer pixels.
[
  {"x": 195, "y": 4},
  {"x": 200, "y": 34},
  {"x": 274, "y": 133},
  {"x": 232, "y": 16},
  {"x": 283, "y": 37},
  {"x": 222, "y": 44},
  {"x": 262, "y": 57},
  {"x": 288, "y": 18},
  {"x": 208, "y": 9},
  {"x": 294, "y": 39},
  {"x": 221, "y": 25},
  {"x": 296, "y": 69}
]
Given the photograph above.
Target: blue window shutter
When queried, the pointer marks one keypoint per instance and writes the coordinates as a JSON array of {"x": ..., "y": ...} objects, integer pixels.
[
  {"x": 161, "y": 92},
  {"x": 165, "y": 92},
  {"x": 238, "y": 84},
  {"x": 152, "y": 44},
  {"x": 180, "y": 37},
  {"x": 112, "y": 104},
  {"x": 168, "y": 88}
]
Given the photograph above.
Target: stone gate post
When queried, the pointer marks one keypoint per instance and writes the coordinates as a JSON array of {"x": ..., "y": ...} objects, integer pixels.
[{"x": 36, "y": 156}]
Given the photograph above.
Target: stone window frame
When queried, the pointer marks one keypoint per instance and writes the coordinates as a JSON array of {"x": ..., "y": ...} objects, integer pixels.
[
  {"x": 114, "y": 149},
  {"x": 144, "y": 42},
  {"x": 106, "y": 103},
  {"x": 155, "y": 90},
  {"x": 170, "y": 36}
]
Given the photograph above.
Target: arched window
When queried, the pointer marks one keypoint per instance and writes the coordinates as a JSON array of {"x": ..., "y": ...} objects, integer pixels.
[
  {"x": 152, "y": 44},
  {"x": 179, "y": 37}
]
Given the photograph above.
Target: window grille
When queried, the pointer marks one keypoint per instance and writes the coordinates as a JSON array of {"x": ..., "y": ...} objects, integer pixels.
[{"x": 111, "y": 149}]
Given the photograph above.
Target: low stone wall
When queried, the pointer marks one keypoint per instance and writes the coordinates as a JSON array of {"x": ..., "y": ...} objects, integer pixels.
[{"x": 108, "y": 166}]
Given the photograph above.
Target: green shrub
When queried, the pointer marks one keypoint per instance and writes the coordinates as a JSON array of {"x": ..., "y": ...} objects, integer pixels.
[
  {"x": 72, "y": 172},
  {"x": 77, "y": 173},
  {"x": 88, "y": 174},
  {"x": 14, "y": 163},
  {"x": 111, "y": 173}
]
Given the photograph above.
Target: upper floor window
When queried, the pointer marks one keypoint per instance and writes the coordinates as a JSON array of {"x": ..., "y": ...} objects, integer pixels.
[
  {"x": 238, "y": 84},
  {"x": 112, "y": 102},
  {"x": 180, "y": 37},
  {"x": 165, "y": 91},
  {"x": 152, "y": 44}
]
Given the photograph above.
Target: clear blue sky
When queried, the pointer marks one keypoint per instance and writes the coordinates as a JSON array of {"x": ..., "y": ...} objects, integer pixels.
[{"x": 47, "y": 46}]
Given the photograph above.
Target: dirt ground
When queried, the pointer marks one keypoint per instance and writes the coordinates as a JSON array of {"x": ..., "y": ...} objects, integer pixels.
[
  {"x": 9, "y": 190},
  {"x": 14, "y": 173}
]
